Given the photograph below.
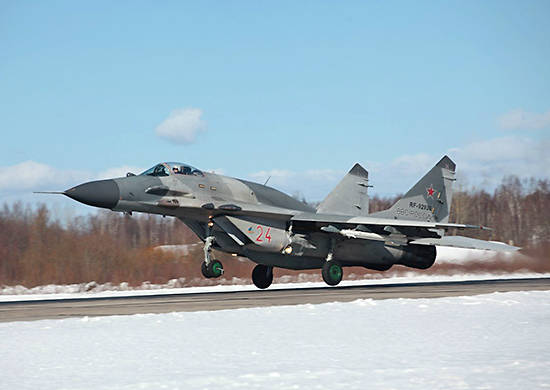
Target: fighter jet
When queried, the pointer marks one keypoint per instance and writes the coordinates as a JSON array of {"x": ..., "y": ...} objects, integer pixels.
[{"x": 274, "y": 229}]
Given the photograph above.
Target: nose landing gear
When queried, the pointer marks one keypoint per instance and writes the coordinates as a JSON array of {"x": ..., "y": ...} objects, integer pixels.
[{"x": 210, "y": 268}]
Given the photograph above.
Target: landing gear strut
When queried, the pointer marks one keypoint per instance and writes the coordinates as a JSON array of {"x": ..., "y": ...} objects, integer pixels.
[
  {"x": 262, "y": 276},
  {"x": 210, "y": 268}
]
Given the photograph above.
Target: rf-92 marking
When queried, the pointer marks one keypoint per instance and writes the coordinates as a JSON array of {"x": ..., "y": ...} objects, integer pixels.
[{"x": 275, "y": 230}]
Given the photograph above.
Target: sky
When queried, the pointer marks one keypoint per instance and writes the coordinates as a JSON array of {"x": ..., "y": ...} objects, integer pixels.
[{"x": 299, "y": 91}]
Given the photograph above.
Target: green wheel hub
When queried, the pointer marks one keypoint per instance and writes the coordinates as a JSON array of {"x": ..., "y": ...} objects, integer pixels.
[
  {"x": 335, "y": 271},
  {"x": 214, "y": 269},
  {"x": 332, "y": 273},
  {"x": 217, "y": 269}
]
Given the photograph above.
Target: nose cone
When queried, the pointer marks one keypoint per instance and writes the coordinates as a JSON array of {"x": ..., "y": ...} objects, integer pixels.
[{"x": 101, "y": 193}]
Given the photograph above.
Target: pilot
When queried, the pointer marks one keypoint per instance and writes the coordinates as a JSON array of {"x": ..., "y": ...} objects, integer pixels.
[{"x": 176, "y": 170}]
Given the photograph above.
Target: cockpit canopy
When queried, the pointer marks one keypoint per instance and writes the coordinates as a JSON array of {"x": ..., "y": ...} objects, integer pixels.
[{"x": 172, "y": 168}]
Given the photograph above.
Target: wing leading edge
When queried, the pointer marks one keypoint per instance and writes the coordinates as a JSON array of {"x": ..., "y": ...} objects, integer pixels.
[{"x": 372, "y": 221}]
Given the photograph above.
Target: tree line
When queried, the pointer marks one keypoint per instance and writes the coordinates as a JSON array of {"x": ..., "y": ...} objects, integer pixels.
[{"x": 37, "y": 249}]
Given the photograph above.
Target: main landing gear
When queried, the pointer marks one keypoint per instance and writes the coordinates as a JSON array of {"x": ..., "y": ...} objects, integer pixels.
[
  {"x": 210, "y": 268},
  {"x": 332, "y": 270},
  {"x": 262, "y": 276},
  {"x": 332, "y": 273}
]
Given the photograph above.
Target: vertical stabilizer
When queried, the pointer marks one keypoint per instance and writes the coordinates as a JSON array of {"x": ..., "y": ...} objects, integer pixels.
[
  {"x": 349, "y": 197},
  {"x": 429, "y": 199}
]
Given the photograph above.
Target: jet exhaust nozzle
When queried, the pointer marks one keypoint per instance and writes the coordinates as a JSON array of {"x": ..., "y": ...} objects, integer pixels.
[{"x": 100, "y": 193}]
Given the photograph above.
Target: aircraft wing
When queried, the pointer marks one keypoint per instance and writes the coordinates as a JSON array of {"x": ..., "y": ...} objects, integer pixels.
[
  {"x": 395, "y": 231},
  {"x": 377, "y": 222}
]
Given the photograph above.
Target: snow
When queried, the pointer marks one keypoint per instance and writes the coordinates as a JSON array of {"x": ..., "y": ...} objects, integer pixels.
[
  {"x": 494, "y": 341},
  {"x": 80, "y": 291}
]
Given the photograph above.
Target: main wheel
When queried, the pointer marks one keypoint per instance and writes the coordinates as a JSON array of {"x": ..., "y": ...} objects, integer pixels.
[
  {"x": 262, "y": 276},
  {"x": 215, "y": 269},
  {"x": 204, "y": 270},
  {"x": 332, "y": 273}
]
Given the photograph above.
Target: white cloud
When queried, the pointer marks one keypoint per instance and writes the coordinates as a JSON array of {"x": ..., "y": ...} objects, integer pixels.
[
  {"x": 17, "y": 183},
  {"x": 115, "y": 172},
  {"x": 182, "y": 125},
  {"x": 285, "y": 176},
  {"x": 484, "y": 163},
  {"x": 413, "y": 163},
  {"x": 314, "y": 184},
  {"x": 481, "y": 164},
  {"x": 523, "y": 120},
  {"x": 279, "y": 175},
  {"x": 31, "y": 175}
]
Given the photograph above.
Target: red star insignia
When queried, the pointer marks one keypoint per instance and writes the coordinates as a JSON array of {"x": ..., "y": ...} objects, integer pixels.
[{"x": 430, "y": 191}]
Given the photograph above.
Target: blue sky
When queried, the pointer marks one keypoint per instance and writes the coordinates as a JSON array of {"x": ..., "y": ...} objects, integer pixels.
[{"x": 296, "y": 90}]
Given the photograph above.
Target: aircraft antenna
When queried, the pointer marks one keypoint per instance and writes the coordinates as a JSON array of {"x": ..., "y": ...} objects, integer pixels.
[{"x": 267, "y": 180}]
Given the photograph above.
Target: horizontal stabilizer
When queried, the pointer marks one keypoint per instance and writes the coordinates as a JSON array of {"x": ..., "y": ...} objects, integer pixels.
[
  {"x": 467, "y": 243},
  {"x": 349, "y": 197}
]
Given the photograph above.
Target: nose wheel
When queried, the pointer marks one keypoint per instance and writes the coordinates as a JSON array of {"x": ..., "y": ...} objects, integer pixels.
[
  {"x": 262, "y": 276},
  {"x": 210, "y": 268}
]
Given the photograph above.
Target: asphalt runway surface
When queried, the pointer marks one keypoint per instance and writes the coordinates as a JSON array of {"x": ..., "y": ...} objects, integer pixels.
[{"x": 165, "y": 303}]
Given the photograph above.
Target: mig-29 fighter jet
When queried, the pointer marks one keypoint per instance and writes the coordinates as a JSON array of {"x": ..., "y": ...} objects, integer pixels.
[{"x": 275, "y": 230}]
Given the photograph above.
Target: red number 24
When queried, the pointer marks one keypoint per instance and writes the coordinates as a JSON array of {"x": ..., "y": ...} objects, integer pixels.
[{"x": 267, "y": 234}]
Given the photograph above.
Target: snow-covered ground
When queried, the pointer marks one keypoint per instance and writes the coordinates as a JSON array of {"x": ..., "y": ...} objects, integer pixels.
[
  {"x": 495, "y": 341},
  {"x": 20, "y": 293}
]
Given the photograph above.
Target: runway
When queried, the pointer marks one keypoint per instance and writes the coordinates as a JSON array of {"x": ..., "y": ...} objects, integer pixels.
[{"x": 106, "y": 306}]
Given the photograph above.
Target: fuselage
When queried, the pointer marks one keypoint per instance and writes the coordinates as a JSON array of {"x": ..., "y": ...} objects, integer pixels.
[{"x": 244, "y": 218}]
